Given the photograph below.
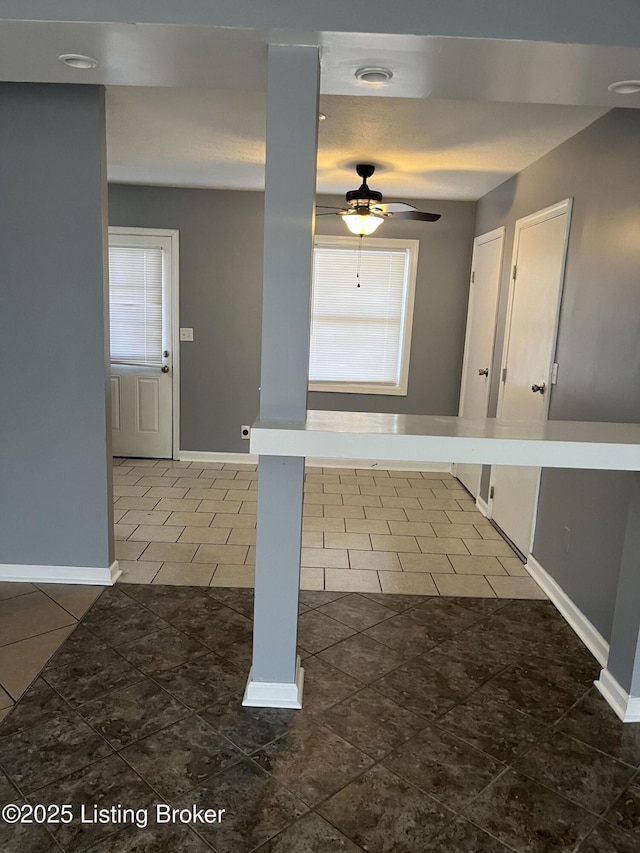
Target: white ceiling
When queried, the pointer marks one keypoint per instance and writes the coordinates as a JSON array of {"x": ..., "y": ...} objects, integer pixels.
[
  {"x": 422, "y": 148},
  {"x": 186, "y": 103}
]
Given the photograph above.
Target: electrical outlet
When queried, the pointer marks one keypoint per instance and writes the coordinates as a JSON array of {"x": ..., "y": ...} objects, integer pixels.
[
  {"x": 186, "y": 334},
  {"x": 245, "y": 432}
]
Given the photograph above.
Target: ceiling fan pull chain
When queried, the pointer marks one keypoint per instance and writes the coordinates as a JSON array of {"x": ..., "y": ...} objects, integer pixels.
[{"x": 359, "y": 259}]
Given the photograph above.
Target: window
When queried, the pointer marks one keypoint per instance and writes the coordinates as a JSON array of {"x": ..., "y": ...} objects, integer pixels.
[
  {"x": 136, "y": 279},
  {"x": 361, "y": 336}
]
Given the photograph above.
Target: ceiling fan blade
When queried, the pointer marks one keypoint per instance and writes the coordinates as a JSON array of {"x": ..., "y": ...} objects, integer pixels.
[
  {"x": 327, "y": 207},
  {"x": 336, "y": 212},
  {"x": 417, "y": 214},
  {"x": 395, "y": 207}
]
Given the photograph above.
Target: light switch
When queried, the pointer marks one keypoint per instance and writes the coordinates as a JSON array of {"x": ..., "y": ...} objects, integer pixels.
[{"x": 186, "y": 334}]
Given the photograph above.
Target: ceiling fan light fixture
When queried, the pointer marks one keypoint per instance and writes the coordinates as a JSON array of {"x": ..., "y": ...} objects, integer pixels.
[
  {"x": 371, "y": 74},
  {"x": 361, "y": 224}
]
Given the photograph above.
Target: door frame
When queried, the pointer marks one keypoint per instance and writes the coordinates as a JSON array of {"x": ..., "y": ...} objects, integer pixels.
[
  {"x": 174, "y": 267},
  {"x": 481, "y": 239},
  {"x": 558, "y": 209}
]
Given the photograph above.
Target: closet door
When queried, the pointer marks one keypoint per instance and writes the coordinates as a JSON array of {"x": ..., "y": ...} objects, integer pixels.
[
  {"x": 540, "y": 246},
  {"x": 486, "y": 268}
]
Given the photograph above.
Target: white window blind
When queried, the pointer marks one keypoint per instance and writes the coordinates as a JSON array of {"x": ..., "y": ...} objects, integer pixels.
[
  {"x": 357, "y": 333},
  {"x": 135, "y": 304}
]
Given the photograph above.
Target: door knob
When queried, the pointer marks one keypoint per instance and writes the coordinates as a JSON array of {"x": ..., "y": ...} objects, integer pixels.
[
  {"x": 541, "y": 388},
  {"x": 484, "y": 372},
  {"x": 165, "y": 368}
]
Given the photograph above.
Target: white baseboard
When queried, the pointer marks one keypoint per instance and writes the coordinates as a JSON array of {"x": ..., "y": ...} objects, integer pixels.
[
  {"x": 381, "y": 464},
  {"x": 60, "y": 574},
  {"x": 483, "y": 506},
  {"x": 589, "y": 635},
  {"x": 213, "y": 456},
  {"x": 271, "y": 694},
  {"x": 626, "y": 707}
]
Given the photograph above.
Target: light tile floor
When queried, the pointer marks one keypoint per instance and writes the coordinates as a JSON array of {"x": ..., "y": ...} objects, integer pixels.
[
  {"x": 182, "y": 523},
  {"x": 34, "y": 622},
  {"x": 364, "y": 530}
]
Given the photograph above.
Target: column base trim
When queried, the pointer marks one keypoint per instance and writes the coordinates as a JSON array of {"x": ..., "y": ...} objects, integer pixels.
[
  {"x": 587, "y": 632},
  {"x": 274, "y": 694},
  {"x": 625, "y": 706},
  {"x": 94, "y": 575}
]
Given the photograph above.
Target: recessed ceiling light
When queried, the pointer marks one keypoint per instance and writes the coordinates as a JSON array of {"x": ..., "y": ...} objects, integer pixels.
[
  {"x": 374, "y": 75},
  {"x": 321, "y": 117},
  {"x": 625, "y": 87},
  {"x": 77, "y": 60}
]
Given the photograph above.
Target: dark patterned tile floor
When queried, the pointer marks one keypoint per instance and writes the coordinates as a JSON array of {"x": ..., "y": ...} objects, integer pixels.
[{"x": 430, "y": 725}]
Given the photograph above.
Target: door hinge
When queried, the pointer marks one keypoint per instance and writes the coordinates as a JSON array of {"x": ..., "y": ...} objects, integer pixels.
[
  {"x": 504, "y": 374},
  {"x": 473, "y": 277},
  {"x": 515, "y": 270},
  {"x": 554, "y": 373},
  {"x": 492, "y": 492}
]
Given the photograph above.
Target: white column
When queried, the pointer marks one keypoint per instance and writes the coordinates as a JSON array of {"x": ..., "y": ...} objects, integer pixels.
[{"x": 276, "y": 678}]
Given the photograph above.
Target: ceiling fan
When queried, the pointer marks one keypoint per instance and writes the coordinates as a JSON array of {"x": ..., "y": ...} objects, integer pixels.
[{"x": 365, "y": 210}]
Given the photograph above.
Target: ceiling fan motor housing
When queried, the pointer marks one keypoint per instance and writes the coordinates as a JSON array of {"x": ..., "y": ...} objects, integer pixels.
[{"x": 364, "y": 196}]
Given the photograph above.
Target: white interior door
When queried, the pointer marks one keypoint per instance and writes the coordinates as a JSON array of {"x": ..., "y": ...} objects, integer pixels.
[
  {"x": 540, "y": 245},
  {"x": 140, "y": 305},
  {"x": 480, "y": 337}
]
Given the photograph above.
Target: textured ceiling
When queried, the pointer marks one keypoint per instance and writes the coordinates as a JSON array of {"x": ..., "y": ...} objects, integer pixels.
[
  {"x": 458, "y": 117},
  {"x": 423, "y": 148}
]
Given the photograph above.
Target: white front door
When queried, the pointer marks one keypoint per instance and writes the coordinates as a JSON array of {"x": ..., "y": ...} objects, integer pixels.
[
  {"x": 540, "y": 245},
  {"x": 140, "y": 306},
  {"x": 478, "y": 348}
]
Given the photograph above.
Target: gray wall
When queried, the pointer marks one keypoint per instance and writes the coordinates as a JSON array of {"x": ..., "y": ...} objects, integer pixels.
[
  {"x": 598, "y": 343},
  {"x": 221, "y": 295},
  {"x": 439, "y": 317},
  {"x": 55, "y": 491}
]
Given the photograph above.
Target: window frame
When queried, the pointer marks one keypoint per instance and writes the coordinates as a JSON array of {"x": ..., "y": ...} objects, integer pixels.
[{"x": 411, "y": 247}]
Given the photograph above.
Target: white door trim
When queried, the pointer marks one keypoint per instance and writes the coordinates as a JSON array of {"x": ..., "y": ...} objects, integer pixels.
[
  {"x": 174, "y": 236},
  {"x": 559, "y": 209},
  {"x": 489, "y": 237}
]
